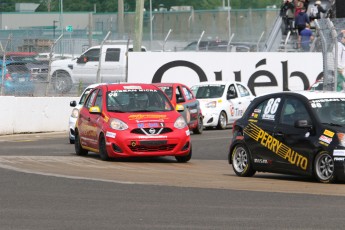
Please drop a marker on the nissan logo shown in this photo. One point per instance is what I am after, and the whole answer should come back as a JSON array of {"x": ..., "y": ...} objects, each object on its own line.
[{"x": 152, "y": 131}]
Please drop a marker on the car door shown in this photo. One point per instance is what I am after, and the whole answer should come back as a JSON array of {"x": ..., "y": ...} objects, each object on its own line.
[
  {"x": 114, "y": 66},
  {"x": 190, "y": 104},
  {"x": 86, "y": 66},
  {"x": 96, "y": 120},
  {"x": 84, "y": 121},
  {"x": 259, "y": 133},
  {"x": 297, "y": 146},
  {"x": 234, "y": 102}
]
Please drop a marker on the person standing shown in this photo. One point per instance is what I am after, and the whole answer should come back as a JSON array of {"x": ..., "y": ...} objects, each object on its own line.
[
  {"x": 306, "y": 38},
  {"x": 316, "y": 10},
  {"x": 287, "y": 14},
  {"x": 341, "y": 61},
  {"x": 301, "y": 20}
]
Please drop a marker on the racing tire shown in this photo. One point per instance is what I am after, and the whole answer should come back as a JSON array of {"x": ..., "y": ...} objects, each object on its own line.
[
  {"x": 103, "y": 149},
  {"x": 184, "y": 159},
  {"x": 324, "y": 168},
  {"x": 62, "y": 82},
  {"x": 222, "y": 121},
  {"x": 241, "y": 161},
  {"x": 79, "y": 150},
  {"x": 200, "y": 126}
]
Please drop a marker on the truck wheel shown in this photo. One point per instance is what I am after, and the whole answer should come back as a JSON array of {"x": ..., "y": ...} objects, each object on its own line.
[{"x": 62, "y": 82}]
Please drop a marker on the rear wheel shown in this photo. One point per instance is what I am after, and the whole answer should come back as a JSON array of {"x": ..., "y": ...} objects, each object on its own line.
[
  {"x": 103, "y": 149},
  {"x": 200, "y": 126},
  {"x": 184, "y": 159},
  {"x": 324, "y": 167},
  {"x": 222, "y": 121},
  {"x": 241, "y": 162},
  {"x": 77, "y": 145}
]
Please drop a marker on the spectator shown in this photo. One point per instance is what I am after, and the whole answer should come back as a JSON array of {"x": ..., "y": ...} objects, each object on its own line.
[
  {"x": 287, "y": 14},
  {"x": 316, "y": 10},
  {"x": 341, "y": 61},
  {"x": 299, "y": 4},
  {"x": 306, "y": 5},
  {"x": 306, "y": 38},
  {"x": 301, "y": 20}
]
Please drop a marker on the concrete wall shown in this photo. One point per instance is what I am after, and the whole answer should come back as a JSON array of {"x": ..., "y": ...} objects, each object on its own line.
[{"x": 39, "y": 114}]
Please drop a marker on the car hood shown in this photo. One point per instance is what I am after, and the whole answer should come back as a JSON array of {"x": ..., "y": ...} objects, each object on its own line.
[
  {"x": 63, "y": 62},
  {"x": 147, "y": 117}
]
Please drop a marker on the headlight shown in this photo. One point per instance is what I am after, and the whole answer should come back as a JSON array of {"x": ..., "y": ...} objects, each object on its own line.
[
  {"x": 212, "y": 104},
  {"x": 180, "y": 123},
  {"x": 341, "y": 137},
  {"x": 118, "y": 124},
  {"x": 75, "y": 113}
]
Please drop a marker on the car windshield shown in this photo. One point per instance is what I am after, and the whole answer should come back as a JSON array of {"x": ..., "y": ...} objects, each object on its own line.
[
  {"x": 137, "y": 101},
  {"x": 330, "y": 110},
  {"x": 168, "y": 90},
  {"x": 208, "y": 91}
]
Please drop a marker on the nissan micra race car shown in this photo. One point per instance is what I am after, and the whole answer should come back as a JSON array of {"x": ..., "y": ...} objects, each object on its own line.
[
  {"x": 292, "y": 133},
  {"x": 222, "y": 102},
  {"x": 131, "y": 120}
]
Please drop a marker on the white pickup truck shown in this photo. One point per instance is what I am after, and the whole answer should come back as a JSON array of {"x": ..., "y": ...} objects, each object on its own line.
[{"x": 109, "y": 59}]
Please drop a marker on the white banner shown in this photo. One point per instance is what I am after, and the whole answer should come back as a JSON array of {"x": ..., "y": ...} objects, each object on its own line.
[{"x": 262, "y": 72}]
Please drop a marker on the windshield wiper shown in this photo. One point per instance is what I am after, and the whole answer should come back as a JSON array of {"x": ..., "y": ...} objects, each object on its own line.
[{"x": 331, "y": 124}]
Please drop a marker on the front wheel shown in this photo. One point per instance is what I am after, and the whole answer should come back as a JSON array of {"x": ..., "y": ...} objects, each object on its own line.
[
  {"x": 222, "y": 121},
  {"x": 241, "y": 162},
  {"x": 200, "y": 126},
  {"x": 324, "y": 168},
  {"x": 184, "y": 159},
  {"x": 103, "y": 149},
  {"x": 62, "y": 82}
]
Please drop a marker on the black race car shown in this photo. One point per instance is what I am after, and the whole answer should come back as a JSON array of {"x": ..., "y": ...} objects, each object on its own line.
[{"x": 292, "y": 133}]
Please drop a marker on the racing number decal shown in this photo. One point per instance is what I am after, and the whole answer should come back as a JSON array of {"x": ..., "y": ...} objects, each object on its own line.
[{"x": 271, "y": 109}]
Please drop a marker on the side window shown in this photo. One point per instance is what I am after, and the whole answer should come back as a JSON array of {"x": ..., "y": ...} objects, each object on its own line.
[
  {"x": 232, "y": 91},
  {"x": 98, "y": 101},
  {"x": 90, "y": 99},
  {"x": 266, "y": 110},
  {"x": 92, "y": 55},
  {"x": 242, "y": 90},
  {"x": 112, "y": 54},
  {"x": 292, "y": 111},
  {"x": 179, "y": 96},
  {"x": 187, "y": 93}
]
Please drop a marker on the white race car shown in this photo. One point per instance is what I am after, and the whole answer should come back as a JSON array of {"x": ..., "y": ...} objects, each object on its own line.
[
  {"x": 222, "y": 102},
  {"x": 75, "y": 110}
]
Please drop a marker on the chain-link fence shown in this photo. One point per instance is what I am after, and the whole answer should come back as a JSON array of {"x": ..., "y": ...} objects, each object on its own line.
[{"x": 329, "y": 41}]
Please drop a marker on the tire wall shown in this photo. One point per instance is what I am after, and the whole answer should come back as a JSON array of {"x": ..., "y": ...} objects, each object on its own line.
[{"x": 31, "y": 115}]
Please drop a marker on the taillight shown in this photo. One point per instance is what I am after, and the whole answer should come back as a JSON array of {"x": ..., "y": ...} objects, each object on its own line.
[{"x": 8, "y": 77}]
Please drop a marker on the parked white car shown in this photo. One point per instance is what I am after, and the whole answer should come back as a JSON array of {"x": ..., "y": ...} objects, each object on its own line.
[
  {"x": 222, "y": 102},
  {"x": 75, "y": 111}
]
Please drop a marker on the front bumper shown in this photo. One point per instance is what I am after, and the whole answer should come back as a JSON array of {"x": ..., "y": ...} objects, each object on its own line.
[
  {"x": 211, "y": 117},
  {"x": 126, "y": 144}
]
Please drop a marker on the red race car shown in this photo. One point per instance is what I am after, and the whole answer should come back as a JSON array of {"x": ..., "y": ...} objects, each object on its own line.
[
  {"x": 180, "y": 94},
  {"x": 131, "y": 120}
]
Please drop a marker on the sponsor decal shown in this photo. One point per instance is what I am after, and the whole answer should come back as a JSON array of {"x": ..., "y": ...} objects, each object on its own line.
[
  {"x": 339, "y": 152},
  {"x": 339, "y": 158},
  {"x": 132, "y": 87},
  {"x": 111, "y": 134},
  {"x": 147, "y": 116},
  {"x": 150, "y": 125},
  {"x": 261, "y": 161},
  {"x": 328, "y": 133},
  {"x": 187, "y": 132},
  {"x": 257, "y": 110},
  {"x": 325, "y": 139},
  {"x": 277, "y": 147}
]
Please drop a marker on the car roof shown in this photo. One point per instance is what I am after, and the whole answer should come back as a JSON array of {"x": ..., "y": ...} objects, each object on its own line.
[
  {"x": 128, "y": 86},
  {"x": 310, "y": 95},
  {"x": 216, "y": 83},
  {"x": 168, "y": 84}
]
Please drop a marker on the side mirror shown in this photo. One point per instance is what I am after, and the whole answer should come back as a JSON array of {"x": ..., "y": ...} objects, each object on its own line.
[
  {"x": 230, "y": 95},
  {"x": 82, "y": 59},
  {"x": 73, "y": 103},
  {"x": 179, "y": 108},
  {"x": 95, "y": 110},
  {"x": 302, "y": 124}
]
